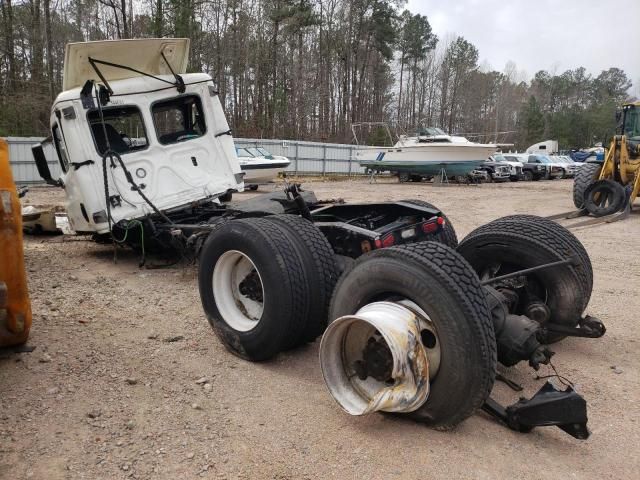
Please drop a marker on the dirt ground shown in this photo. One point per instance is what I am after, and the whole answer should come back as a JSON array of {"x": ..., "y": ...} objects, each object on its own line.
[{"x": 129, "y": 381}]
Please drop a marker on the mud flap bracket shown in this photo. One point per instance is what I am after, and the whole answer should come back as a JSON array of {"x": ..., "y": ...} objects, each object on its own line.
[
  {"x": 565, "y": 409},
  {"x": 588, "y": 327}
]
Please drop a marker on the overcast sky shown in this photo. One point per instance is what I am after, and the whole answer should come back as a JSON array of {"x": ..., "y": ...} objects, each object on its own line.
[{"x": 544, "y": 34}]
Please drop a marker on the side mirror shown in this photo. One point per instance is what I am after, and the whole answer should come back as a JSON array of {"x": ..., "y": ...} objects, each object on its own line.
[{"x": 43, "y": 166}]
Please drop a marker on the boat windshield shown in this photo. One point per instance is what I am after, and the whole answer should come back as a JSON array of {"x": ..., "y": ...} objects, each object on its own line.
[
  {"x": 259, "y": 152},
  {"x": 430, "y": 132},
  {"x": 243, "y": 153}
]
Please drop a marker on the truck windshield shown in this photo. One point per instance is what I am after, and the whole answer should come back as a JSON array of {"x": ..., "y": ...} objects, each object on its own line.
[
  {"x": 178, "y": 119},
  {"x": 124, "y": 128}
]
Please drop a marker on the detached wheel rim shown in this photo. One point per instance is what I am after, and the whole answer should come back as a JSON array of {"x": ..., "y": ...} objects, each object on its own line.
[
  {"x": 382, "y": 358},
  {"x": 238, "y": 291}
]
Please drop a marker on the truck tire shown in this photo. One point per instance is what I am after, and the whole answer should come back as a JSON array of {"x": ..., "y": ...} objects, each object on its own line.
[
  {"x": 551, "y": 233},
  {"x": 320, "y": 269},
  {"x": 584, "y": 177},
  {"x": 527, "y": 176},
  {"x": 446, "y": 288},
  {"x": 562, "y": 289},
  {"x": 403, "y": 177},
  {"x": 604, "y": 197},
  {"x": 254, "y": 288},
  {"x": 448, "y": 234}
]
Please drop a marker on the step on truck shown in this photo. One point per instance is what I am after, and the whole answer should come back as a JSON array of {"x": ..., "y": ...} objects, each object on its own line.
[{"x": 412, "y": 321}]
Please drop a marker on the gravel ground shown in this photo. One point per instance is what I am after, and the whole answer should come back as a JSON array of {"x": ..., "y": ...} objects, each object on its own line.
[{"x": 129, "y": 381}]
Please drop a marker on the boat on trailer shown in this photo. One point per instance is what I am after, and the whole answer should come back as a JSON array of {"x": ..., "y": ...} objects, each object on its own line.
[{"x": 427, "y": 154}]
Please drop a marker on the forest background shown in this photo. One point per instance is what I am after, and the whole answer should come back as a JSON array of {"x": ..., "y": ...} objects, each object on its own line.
[{"x": 309, "y": 69}]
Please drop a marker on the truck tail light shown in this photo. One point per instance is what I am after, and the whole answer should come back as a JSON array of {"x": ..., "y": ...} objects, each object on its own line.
[
  {"x": 433, "y": 225},
  {"x": 386, "y": 241}
]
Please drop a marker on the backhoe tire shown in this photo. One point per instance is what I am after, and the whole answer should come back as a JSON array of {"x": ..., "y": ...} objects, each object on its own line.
[
  {"x": 563, "y": 289},
  {"x": 604, "y": 197},
  {"x": 319, "y": 262},
  {"x": 447, "y": 289},
  {"x": 585, "y": 176},
  {"x": 448, "y": 235},
  {"x": 555, "y": 235},
  {"x": 254, "y": 288}
]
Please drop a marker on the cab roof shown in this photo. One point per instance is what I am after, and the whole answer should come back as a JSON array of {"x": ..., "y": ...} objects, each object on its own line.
[{"x": 144, "y": 55}]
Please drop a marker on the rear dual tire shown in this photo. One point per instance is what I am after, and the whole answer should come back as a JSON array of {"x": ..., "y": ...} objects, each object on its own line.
[
  {"x": 444, "y": 286},
  {"x": 524, "y": 241},
  {"x": 265, "y": 284}
]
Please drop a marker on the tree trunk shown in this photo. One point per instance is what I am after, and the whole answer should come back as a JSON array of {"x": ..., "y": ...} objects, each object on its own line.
[{"x": 49, "y": 45}]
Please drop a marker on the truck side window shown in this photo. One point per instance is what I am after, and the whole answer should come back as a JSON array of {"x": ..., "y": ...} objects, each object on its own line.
[
  {"x": 178, "y": 119},
  {"x": 61, "y": 148},
  {"x": 124, "y": 130}
]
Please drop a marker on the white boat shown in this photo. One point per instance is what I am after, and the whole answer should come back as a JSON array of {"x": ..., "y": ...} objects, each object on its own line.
[
  {"x": 259, "y": 165},
  {"x": 427, "y": 153}
]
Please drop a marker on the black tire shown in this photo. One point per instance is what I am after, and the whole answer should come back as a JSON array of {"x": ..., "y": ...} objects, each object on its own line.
[
  {"x": 584, "y": 177},
  {"x": 284, "y": 282},
  {"x": 555, "y": 235},
  {"x": 563, "y": 289},
  {"x": 415, "y": 178},
  {"x": 343, "y": 263},
  {"x": 253, "y": 188},
  {"x": 448, "y": 234},
  {"x": 444, "y": 285},
  {"x": 320, "y": 269},
  {"x": 528, "y": 176},
  {"x": 227, "y": 197},
  {"x": 604, "y": 197},
  {"x": 403, "y": 177}
]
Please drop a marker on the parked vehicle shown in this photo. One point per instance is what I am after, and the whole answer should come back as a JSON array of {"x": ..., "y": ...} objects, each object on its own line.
[
  {"x": 536, "y": 166},
  {"x": 407, "y": 324},
  {"x": 497, "y": 169},
  {"x": 569, "y": 167},
  {"x": 548, "y": 147},
  {"x": 515, "y": 167}
]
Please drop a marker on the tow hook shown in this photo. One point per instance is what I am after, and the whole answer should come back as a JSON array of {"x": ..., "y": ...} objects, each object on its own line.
[{"x": 566, "y": 409}]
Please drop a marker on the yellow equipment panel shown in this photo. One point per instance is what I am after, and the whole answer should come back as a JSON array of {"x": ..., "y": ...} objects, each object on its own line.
[{"x": 15, "y": 307}]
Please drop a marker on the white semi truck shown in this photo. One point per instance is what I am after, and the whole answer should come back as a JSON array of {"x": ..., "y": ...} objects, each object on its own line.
[{"x": 412, "y": 320}]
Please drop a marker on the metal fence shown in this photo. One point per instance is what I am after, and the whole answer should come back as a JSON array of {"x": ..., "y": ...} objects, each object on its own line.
[
  {"x": 22, "y": 163},
  {"x": 307, "y": 158}
]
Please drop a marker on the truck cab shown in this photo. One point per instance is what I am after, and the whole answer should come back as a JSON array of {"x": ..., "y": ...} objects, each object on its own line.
[{"x": 132, "y": 131}]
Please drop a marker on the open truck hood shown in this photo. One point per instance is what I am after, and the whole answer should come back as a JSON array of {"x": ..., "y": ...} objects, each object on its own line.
[{"x": 141, "y": 54}]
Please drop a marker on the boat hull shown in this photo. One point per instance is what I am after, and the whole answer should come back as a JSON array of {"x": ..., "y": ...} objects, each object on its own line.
[
  {"x": 427, "y": 169},
  {"x": 262, "y": 171},
  {"x": 427, "y": 160}
]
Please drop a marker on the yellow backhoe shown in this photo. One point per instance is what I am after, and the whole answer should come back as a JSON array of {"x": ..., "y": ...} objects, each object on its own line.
[{"x": 609, "y": 188}]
